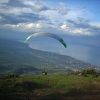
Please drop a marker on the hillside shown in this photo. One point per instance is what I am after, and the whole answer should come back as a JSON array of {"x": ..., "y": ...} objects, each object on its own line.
[
  {"x": 16, "y": 57},
  {"x": 50, "y": 87}
]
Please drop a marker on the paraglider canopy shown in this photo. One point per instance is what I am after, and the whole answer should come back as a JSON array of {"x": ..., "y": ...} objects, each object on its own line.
[{"x": 46, "y": 34}]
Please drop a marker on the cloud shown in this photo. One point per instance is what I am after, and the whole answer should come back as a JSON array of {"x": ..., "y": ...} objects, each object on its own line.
[
  {"x": 18, "y": 11},
  {"x": 3, "y": 1},
  {"x": 16, "y": 3},
  {"x": 26, "y": 16},
  {"x": 22, "y": 18},
  {"x": 28, "y": 26},
  {"x": 38, "y": 7},
  {"x": 14, "y": 10},
  {"x": 22, "y": 27},
  {"x": 11, "y": 19},
  {"x": 62, "y": 9},
  {"x": 31, "y": 17},
  {"x": 79, "y": 27}
]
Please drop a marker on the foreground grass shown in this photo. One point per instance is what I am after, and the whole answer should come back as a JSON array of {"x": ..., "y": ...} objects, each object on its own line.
[{"x": 50, "y": 87}]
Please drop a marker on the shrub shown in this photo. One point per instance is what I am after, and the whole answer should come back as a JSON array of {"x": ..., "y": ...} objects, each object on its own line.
[{"x": 91, "y": 71}]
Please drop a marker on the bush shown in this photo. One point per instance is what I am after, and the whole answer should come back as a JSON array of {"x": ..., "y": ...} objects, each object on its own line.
[
  {"x": 9, "y": 76},
  {"x": 91, "y": 71},
  {"x": 95, "y": 76}
]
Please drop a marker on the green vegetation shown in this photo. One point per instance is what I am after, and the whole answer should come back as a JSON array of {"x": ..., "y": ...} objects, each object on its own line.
[
  {"x": 49, "y": 87},
  {"x": 17, "y": 58},
  {"x": 18, "y": 63}
]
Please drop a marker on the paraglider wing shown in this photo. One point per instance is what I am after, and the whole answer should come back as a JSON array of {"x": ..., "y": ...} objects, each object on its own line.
[
  {"x": 62, "y": 41},
  {"x": 46, "y": 34},
  {"x": 28, "y": 38}
]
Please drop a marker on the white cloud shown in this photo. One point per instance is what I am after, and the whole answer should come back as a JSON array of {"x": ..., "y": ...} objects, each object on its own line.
[
  {"x": 1, "y": 18},
  {"x": 38, "y": 25},
  {"x": 62, "y": 9},
  {"x": 30, "y": 3},
  {"x": 71, "y": 29},
  {"x": 30, "y": 25},
  {"x": 23, "y": 27},
  {"x": 14, "y": 10},
  {"x": 4, "y": 1},
  {"x": 65, "y": 27},
  {"x": 81, "y": 31},
  {"x": 39, "y": 6},
  {"x": 61, "y": 3},
  {"x": 49, "y": 18}
]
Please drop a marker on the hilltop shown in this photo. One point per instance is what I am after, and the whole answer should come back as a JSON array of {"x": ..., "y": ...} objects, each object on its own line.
[
  {"x": 21, "y": 79},
  {"x": 16, "y": 57},
  {"x": 50, "y": 87}
]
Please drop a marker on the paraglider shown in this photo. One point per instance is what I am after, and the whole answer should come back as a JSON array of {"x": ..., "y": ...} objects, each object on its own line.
[{"x": 46, "y": 34}]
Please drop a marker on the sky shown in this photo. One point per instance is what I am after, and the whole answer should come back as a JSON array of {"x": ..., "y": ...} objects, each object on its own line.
[{"x": 76, "y": 21}]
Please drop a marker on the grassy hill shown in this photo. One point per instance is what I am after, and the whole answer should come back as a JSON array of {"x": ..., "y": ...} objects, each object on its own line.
[
  {"x": 21, "y": 75},
  {"x": 50, "y": 87},
  {"x": 16, "y": 57}
]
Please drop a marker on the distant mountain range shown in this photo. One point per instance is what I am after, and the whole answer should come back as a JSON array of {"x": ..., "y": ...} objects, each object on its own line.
[{"x": 17, "y": 57}]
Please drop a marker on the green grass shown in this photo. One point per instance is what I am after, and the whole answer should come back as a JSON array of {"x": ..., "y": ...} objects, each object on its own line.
[{"x": 50, "y": 87}]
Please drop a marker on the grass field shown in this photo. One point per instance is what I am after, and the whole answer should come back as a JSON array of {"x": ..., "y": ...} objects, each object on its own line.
[{"x": 50, "y": 87}]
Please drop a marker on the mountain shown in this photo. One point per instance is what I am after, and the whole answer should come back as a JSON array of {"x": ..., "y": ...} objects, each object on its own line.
[{"x": 17, "y": 57}]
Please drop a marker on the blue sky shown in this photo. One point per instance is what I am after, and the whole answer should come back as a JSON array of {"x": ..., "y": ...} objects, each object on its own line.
[{"x": 77, "y": 21}]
